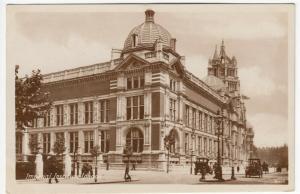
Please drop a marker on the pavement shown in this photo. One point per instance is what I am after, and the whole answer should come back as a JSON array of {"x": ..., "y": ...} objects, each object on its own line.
[{"x": 155, "y": 177}]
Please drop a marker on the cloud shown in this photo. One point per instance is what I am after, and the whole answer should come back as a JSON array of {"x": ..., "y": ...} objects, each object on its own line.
[
  {"x": 255, "y": 82},
  {"x": 269, "y": 129}
]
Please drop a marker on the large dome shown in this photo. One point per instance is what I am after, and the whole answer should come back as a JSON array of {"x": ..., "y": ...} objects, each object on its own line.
[{"x": 147, "y": 33}]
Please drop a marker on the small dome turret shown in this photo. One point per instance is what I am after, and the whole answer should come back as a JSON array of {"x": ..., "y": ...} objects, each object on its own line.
[{"x": 147, "y": 33}]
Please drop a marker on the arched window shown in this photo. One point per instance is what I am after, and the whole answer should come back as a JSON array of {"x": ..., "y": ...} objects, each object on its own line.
[
  {"x": 135, "y": 139},
  {"x": 174, "y": 146}
]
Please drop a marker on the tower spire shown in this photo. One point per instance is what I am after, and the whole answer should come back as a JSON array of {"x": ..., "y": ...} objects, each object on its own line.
[
  {"x": 222, "y": 49},
  {"x": 216, "y": 53}
]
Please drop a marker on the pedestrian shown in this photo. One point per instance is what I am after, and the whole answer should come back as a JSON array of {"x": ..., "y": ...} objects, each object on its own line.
[
  {"x": 127, "y": 177},
  {"x": 107, "y": 165}
]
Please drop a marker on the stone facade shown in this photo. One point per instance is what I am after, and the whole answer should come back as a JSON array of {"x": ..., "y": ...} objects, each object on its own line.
[{"x": 138, "y": 99}]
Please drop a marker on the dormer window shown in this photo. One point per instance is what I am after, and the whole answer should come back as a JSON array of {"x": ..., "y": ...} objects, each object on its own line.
[
  {"x": 172, "y": 85},
  {"x": 134, "y": 40}
]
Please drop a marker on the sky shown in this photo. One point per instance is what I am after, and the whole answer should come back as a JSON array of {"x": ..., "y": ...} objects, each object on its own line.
[{"x": 58, "y": 37}]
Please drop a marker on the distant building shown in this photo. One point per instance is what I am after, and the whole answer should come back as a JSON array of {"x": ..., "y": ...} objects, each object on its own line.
[{"x": 140, "y": 97}]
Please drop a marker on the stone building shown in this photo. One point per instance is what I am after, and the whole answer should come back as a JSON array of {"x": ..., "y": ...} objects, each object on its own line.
[{"x": 138, "y": 98}]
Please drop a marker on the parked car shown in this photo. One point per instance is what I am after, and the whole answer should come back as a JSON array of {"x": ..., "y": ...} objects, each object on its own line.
[
  {"x": 201, "y": 165},
  {"x": 254, "y": 168}
]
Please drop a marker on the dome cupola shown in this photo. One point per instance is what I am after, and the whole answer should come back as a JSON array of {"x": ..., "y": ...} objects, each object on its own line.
[{"x": 147, "y": 33}]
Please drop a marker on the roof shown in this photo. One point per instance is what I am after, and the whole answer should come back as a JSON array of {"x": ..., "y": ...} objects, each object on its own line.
[
  {"x": 214, "y": 82},
  {"x": 148, "y": 33}
]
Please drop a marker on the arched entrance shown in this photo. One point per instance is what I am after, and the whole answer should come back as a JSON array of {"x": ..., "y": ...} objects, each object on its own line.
[
  {"x": 135, "y": 139},
  {"x": 175, "y": 147}
]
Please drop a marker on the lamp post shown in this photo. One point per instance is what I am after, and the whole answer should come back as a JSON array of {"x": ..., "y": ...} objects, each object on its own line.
[
  {"x": 218, "y": 170},
  {"x": 96, "y": 152},
  {"x": 169, "y": 140},
  {"x": 75, "y": 162},
  {"x": 192, "y": 150}
]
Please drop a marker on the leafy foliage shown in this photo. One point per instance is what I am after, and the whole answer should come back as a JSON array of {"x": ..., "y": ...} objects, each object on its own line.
[
  {"x": 96, "y": 151},
  {"x": 169, "y": 140},
  {"x": 53, "y": 165},
  {"x": 30, "y": 101},
  {"x": 273, "y": 156},
  {"x": 59, "y": 146},
  {"x": 33, "y": 144},
  {"x": 24, "y": 168}
]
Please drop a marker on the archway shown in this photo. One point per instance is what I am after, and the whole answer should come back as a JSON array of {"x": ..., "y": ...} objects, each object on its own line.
[
  {"x": 135, "y": 139},
  {"x": 175, "y": 147}
]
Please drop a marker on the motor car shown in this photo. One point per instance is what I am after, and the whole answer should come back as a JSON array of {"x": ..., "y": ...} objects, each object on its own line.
[
  {"x": 254, "y": 168},
  {"x": 201, "y": 164}
]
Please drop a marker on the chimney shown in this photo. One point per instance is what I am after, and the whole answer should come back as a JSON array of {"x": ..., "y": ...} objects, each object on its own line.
[
  {"x": 173, "y": 44},
  {"x": 149, "y": 15}
]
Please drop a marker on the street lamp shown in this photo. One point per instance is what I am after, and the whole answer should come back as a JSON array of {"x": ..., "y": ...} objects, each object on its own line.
[
  {"x": 219, "y": 132},
  {"x": 96, "y": 152},
  {"x": 192, "y": 150},
  {"x": 75, "y": 160}
]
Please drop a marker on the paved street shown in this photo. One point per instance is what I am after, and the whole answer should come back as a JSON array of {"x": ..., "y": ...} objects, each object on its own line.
[{"x": 150, "y": 177}]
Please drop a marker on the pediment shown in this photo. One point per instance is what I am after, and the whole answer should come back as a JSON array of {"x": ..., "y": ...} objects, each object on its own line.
[{"x": 131, "y": 62}]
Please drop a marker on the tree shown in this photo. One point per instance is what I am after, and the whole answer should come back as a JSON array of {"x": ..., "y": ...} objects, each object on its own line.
[
  {"x": 31, "y": 102},
  {"x": 59, "y": 146},
  {"x": 95, "y": 153}
]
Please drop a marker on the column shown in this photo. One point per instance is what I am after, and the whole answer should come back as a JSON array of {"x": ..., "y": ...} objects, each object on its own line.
[
  {"x": 68, "y": 164},
  {"x": 53, "y": 116},
  {"x": 96, "y": 111},
  {"x": 66, "y": 113},
  {"x": 40, "y": 142},
  {"x": 52, "y": 141},
  {"x": 80, "y": 142},
  {"x": 39, "y": 165},
  {"x": 80, "y": 112},
  {"x": 25, "y": 144},
  {"x": 67, "y": 140}
]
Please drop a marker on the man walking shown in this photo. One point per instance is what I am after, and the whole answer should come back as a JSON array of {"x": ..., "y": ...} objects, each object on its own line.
[{"x": 127, "y": 177}]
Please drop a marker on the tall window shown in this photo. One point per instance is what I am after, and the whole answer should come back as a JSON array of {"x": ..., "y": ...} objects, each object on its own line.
[
  {"x": 210, "y": 146},
  {"x": 33, "y": 138},
  {"x": 205, "y": 122},
  {"x": 199, "y": 145},
  {"x": 135, "y": 139},
  {"x": 186, "y": 143},
  {"x": 88, "y": 141},
  {"x": 205, "y": 146},
  {"x": 47, "y": 119},
  {"x": 73, "y": 141},
  {"x": 35, "y": 123},
  {"x": 74, "y": 114},
  {"x": 135, "y": 82},
  {"x": 172, "y": 109},
  {"x": 105, "y": 141},
  {"x": 46, "y": 143},
  {"x": 104, "y": 111},
  {"x": 135, "y": 107},
  {"x": 194, "y": 118},
  {"x": 19, "y": 143},
  {"x": 200, "y": 120},
  {"x": 187, "y": 115},
  {"x": 172, "y": 85},
  {"x": 59, "y": 115},
  {"x": 88, "y": 109}
]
